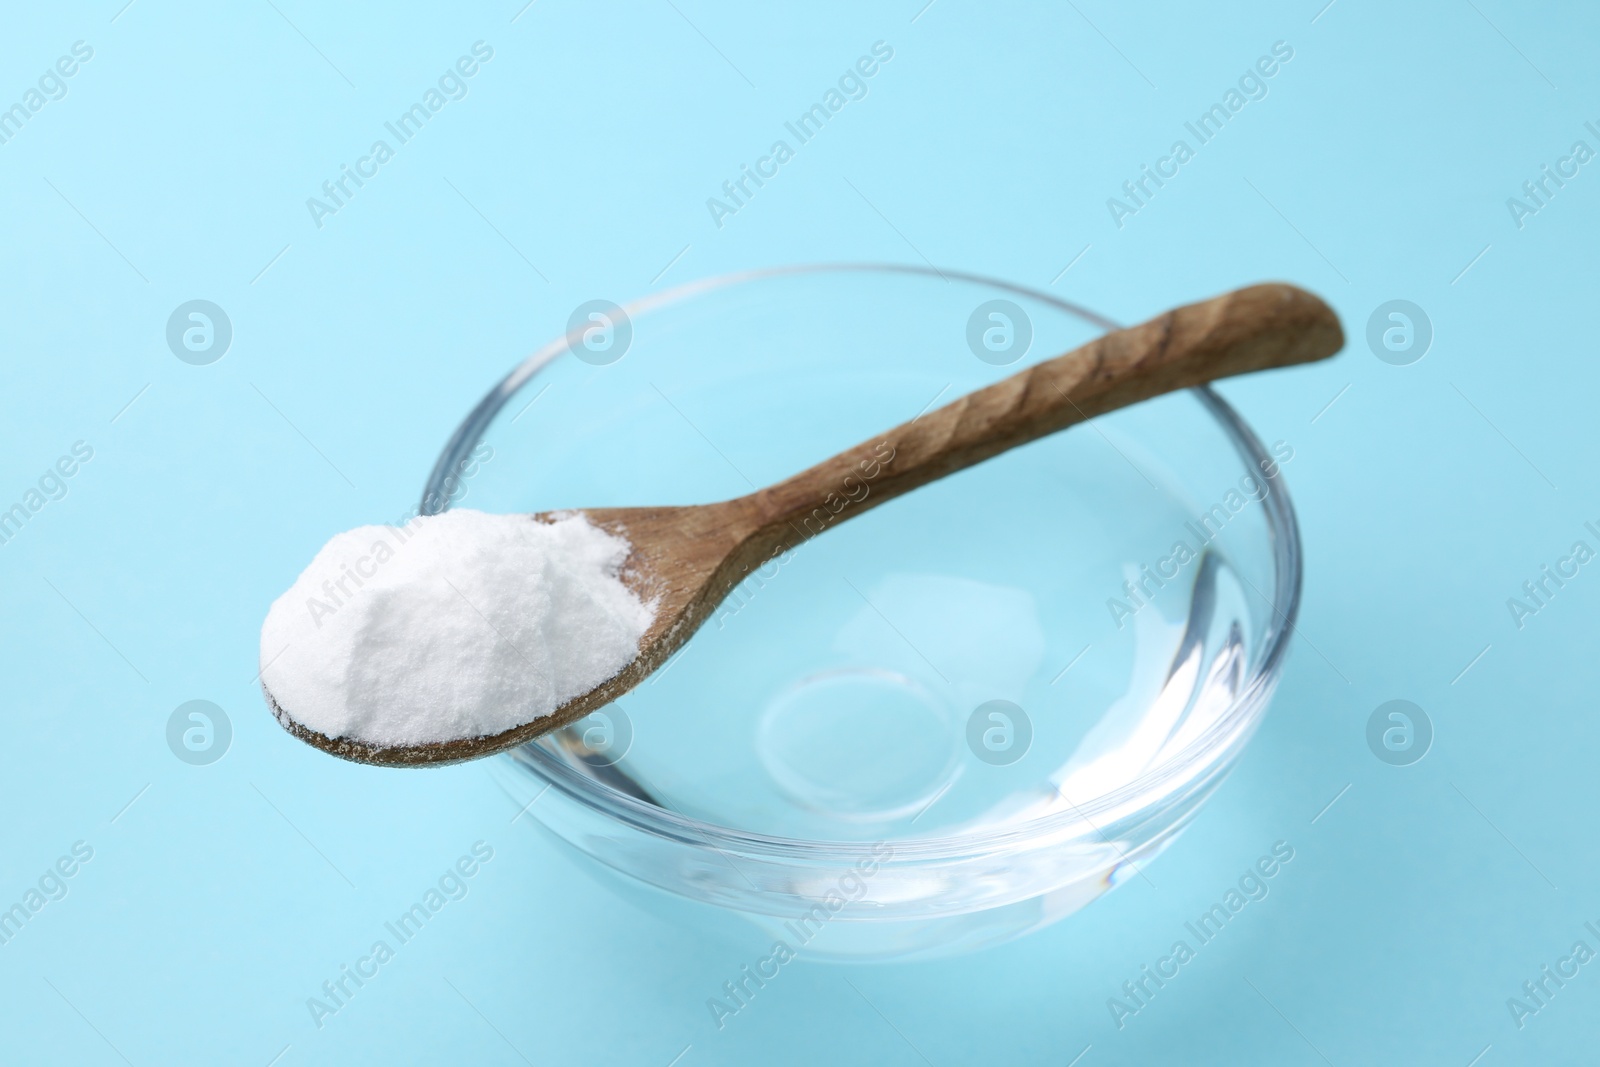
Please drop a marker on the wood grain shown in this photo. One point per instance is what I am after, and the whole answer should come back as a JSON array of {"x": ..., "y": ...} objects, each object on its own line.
[{"x": 688, "y": 559}]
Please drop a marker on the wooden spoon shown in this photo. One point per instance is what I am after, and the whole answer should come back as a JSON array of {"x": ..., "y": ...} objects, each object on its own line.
[{"x": 690, "y": 558}]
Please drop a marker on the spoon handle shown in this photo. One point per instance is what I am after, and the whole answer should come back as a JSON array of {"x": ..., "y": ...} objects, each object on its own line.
[{"x": 1250, "y": 329}]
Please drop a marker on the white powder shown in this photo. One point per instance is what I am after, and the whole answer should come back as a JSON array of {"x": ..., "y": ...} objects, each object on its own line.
[{"x": 453, "y": 626}]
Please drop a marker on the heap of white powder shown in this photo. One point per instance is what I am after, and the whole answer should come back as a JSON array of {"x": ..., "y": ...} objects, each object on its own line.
[{"x": 452, "y": 626}]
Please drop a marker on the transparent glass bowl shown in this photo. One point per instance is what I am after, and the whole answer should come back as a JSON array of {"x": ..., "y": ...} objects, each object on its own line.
[{"x": 959, "y": 716}]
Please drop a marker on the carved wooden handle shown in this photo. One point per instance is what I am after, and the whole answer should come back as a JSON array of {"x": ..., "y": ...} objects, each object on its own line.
[{"x": 1250, "y": 329}]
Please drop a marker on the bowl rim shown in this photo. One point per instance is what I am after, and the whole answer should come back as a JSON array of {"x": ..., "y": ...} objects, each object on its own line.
[{"x": 1208, "y": 753}]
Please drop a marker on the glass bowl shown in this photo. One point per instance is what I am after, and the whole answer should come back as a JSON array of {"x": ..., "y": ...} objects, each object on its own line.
[{"x": 954, "y": 719}]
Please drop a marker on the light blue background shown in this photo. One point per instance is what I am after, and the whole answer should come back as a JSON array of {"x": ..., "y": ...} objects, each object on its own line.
[{"x": 177, "y": 167}]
